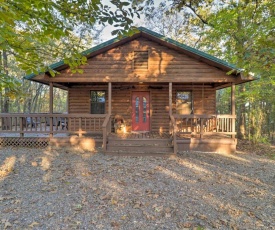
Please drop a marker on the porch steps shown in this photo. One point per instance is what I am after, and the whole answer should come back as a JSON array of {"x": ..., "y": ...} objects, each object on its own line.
[{"x": 140, "y": 147}]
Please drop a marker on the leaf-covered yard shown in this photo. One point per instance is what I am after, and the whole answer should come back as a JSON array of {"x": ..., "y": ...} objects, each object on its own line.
[{"x": 72, "y": 189}]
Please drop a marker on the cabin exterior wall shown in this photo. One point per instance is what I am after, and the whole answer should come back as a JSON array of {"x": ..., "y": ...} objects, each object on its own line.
[{"x": 204, "y": 101}]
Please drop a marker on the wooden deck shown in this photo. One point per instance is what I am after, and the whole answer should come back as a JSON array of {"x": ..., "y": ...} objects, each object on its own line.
[{"x": 213, "y": 133}]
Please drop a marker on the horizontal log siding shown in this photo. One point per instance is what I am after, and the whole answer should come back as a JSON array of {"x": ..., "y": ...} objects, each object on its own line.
[
  {"x": 203, "y": 99},
  {"x": 160, "y": 109},
  {"x": 164, "y": 65},
  {"x": 79, "y": 100}
]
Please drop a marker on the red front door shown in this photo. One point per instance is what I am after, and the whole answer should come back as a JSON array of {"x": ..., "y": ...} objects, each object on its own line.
[{"x": 140, "y": 111}]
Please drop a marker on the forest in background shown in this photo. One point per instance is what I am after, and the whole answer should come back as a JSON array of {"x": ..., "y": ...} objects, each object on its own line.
[{"x": 240, "y": 32}]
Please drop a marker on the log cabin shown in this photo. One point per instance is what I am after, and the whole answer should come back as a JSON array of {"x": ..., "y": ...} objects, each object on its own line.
[{"x": 163, "y": 92}]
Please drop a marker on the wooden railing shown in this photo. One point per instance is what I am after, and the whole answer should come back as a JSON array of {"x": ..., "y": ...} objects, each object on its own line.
[
  {"x": 106, "y": 127},
  {"x": 51, "y": 123},
  {"x": 200, "y": 124}
]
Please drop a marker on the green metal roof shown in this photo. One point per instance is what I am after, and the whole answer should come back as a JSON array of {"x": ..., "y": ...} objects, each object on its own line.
[{"x": 149, "y": 32}]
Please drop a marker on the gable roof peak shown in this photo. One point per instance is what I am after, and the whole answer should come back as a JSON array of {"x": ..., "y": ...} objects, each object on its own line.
[{"x": 154, "y": 36}]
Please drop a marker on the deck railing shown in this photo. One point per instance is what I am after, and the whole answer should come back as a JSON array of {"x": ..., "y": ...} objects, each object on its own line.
[
  {"x": 43, "y": 123},
  {"x": 200, "y": 124}
]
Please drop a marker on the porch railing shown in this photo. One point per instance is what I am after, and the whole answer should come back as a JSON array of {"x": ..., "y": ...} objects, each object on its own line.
[
  {"x": 43, "y": 123},
  {"x": 194, "y": 125},
  {"x": 203, "y": 123}
]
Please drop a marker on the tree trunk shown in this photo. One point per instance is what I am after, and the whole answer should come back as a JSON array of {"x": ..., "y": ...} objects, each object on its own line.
[
  {"x": 6, "y": 102},
  {"x": 241, "y": 114},
  {"x": 36, "y": 98},
  {"x": 6, "y": 99},
  {"x": 1, "y": 93}
]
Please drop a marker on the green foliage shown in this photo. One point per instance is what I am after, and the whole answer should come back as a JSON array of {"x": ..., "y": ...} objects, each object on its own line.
[
  {"x": 12, "y": 85},
  {"x": 7, "y": 81},
  {"x": 244, "y": 30},
  {"x": 32, "y": 29}
]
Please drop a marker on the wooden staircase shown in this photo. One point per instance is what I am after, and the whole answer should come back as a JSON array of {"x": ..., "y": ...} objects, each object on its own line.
[{"x": 139, "y": 145}]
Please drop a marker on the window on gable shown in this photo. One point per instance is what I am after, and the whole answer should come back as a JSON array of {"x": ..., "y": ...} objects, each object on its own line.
[
  {"x": 97, "y": 102},
  {"x": 184, "y": 103},
  {"x": 140, "y": 60}
]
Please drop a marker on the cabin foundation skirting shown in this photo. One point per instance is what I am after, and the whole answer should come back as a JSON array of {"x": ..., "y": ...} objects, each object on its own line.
[
  {"x": 29, "y": 142},
  {"x": 208, "y": 145},
  {"x": 84, "y": 143}
]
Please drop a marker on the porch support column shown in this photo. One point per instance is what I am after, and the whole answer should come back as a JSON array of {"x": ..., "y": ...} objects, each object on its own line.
[
  {"x": 170, "y": 98},
  {"x": 51, "y": 109},
  {"x": 110, "y": 98},
  {"x": 233, "y": 107}
]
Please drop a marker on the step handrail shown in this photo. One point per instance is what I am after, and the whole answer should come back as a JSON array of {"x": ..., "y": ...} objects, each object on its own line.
[
  {"x": 106, "y": 129},
  {"x": 174, "y": 133}
]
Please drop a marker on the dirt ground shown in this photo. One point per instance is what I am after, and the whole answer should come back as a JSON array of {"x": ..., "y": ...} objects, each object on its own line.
[{"x": 74, "y": 189}]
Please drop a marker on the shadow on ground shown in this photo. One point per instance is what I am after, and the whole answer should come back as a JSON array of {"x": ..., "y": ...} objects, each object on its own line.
[{"x": 67, "y": 189}]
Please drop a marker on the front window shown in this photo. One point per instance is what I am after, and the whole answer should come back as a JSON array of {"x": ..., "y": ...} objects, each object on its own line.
[
  {"x": 97, "y": 102},
  {"x": 184, "y": 102}
]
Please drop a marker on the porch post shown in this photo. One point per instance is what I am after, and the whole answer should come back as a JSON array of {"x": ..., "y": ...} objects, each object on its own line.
[
  {"x": 110, "y": 98},
  {"x": 233, "y": 108},
  {"x": 170, "y": 98},
  {"x": 109, "y": 106},
  {"x": 51, "y": 109}
]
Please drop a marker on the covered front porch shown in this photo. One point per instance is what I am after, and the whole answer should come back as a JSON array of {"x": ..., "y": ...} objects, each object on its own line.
[{"x": 186, "y": 132}]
